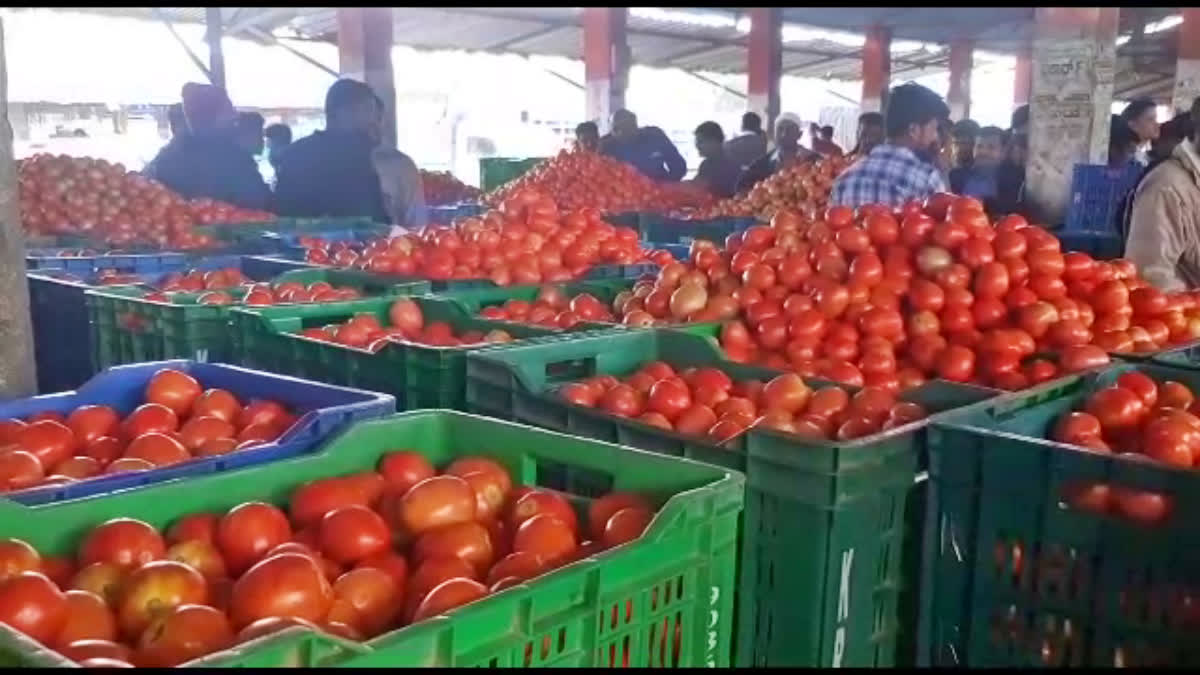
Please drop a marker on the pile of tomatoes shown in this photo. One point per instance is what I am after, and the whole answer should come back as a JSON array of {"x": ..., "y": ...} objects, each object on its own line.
[
  {"x": 551, "y": 308},
  {"x": 1140, "y": 419},
  {"x": 214, "y": 286},
  {"x": 179, "y": 421},
  {"x": 580, "y": 179},
  {"x": 406, "y": 323},
  {"x": 355, "y": 555},
  {"x": 803, "y": 188},
  {"x": 706, "y": 402},
  {"x": 441, "y": 187},
  {"x": 933, "y": 289},
  {"x": 92, "y": 197},
  {"x": 526, "y": 241}
]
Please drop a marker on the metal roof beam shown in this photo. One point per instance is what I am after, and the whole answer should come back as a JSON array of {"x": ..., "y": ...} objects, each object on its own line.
[
  {"x": 191, "y": 54},
  {"x": 259, "y": 32},
  {"x": 257, "y": 19},
  {"x": 687, "y": 53},
  {"x": 509, "y": 42}
]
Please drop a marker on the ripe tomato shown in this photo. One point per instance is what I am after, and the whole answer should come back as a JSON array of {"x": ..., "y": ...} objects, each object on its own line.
[
  {"x": 90, "y": 422},
  {"x": 436, "y": 502},
  {"x": 149, "y": 418},
  {"x": 287, "y": 585},
  {"x": 547, "y": 536},
  {"x": 123, "y": 542},
  {"x": 51, "y": 442},
  {"x": 185, "y": 633},
  {"x": 352, "y": 533},
  {"x": 158, "y": 449},
  {"x": 447, "y": 596},
  {"x": 156, "y": 587},
  {"x": 1118, "y": 409},
  {"x": 33, "y": 605},
  {"x": 217, "y": 403},
  {"x": 625, "y": 525},
  {"x": 248, "y": 531},
  {"x": 174, "y": 389}
]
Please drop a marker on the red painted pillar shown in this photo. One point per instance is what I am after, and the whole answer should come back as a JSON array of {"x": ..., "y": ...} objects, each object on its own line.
[
  {"x": 365, "y": 54},
  {"x": 1187, "y": 67},
  {"x": 606, "y": 62},
  {"x": 877, "y": 68},
  {"x": 765, "y": 67},
  {"x": 1022, "y": 77},
  {"x": 1074, "y": 56},
  {"x": 959, "y": 95}
]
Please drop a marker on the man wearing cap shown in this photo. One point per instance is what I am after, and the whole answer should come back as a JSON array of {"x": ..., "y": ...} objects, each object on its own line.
[
  {"x": 207, "y": 161},
  {"x": 331, "y": 172},
  {"x": 787, "y": 151}
]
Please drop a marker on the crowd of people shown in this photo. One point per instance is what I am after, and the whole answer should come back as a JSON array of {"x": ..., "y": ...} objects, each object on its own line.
[
  {"x": 910, "y": 152},
  {"x": 343, "y": 170},
  {"x": 728, "y": 165}
]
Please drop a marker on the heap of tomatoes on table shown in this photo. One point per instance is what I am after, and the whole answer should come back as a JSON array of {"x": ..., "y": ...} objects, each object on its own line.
[
  {"x": 1138, "y": 418},
  {"x": 892, "y": 299},
  {"x": 406, "y": 323},
  {"x": 801, "y": 187},
  {"x": 93, "y": 197},
  {"x": 528, "y": 240},
  {"x": 354, "y": 555},
  {"x": 178, "y": 421},
  {"x": 582, "y": 179},
  {"x": 705, "y": 402}
]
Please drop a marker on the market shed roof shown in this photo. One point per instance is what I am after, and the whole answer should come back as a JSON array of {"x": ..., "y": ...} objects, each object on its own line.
[{"x": 818, "y": 41}]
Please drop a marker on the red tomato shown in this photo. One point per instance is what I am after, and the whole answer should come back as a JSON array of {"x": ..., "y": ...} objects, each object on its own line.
[
  {"x": 287, "y": 585},
  {"x": 248, "y": 531}
]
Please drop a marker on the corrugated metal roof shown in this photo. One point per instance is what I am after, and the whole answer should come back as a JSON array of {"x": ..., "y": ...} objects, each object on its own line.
[{"x": 712, "y": 40}]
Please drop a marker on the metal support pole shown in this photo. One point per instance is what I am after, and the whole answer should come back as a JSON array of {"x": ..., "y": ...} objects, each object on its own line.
[{"x": 216, "y": 58}]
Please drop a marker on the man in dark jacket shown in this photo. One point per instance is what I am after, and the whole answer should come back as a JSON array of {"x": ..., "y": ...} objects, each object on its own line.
[
  {"x": 331, "y": 173},
  {"x": 207, "y": 162},
  {"x": 647, "y": 148}
]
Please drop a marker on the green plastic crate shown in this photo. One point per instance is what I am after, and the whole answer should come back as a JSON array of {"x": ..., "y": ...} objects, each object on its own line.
[
  {"x": 474, "y": 300},
  {"x": 1090, "y": 589},
  {"x": 824, "y": 521},
  {"x": 363, "y": 282},
  {"x": 419, "y": 376},
  {"x": 681, "y": 571},
  {"x": 249, "y": 236},
  {"x": 494, "y": 172},
  {"x": 126, "y": 328}
]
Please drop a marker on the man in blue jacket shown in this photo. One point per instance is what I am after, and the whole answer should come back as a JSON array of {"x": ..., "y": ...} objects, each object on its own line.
[
  {"x": 207, "y": 161},
  {"x": 331, "y": 172},
  {"x": 647, "y": 148}
]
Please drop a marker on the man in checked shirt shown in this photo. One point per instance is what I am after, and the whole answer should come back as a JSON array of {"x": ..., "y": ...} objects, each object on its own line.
[{"x": 903, "y": 167}]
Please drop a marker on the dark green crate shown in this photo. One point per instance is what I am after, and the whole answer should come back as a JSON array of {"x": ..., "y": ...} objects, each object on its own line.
[
  {"x": 1092, "y": 589},
  {"x": 419, "y": 376},
  {"x": 808, "y": 503},
  {"x": 681, "y": 572},
  {"x": 474, "y": 300},
  {"x": 364, "y": 282},
  {"x": 126, "y": 328},
  {"x": 495, "y": 172}
]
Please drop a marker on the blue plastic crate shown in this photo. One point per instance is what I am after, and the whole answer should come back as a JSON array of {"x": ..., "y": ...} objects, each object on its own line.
[
  {"x": 1096, "y": 194},
  {"x": 322, "y": 410},
  {"x": 1099, "y": 245},
  {"x": 50, "y": 259}
]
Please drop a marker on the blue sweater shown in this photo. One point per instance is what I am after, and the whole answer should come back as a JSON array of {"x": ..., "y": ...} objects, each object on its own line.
[{"x": 650, "y": 152}]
